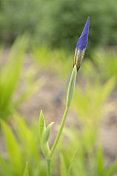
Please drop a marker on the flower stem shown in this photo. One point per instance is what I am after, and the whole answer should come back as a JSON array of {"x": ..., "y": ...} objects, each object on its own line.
[
  {"x": 70, "y": 93},
  {"x": 60, "y": 131}
]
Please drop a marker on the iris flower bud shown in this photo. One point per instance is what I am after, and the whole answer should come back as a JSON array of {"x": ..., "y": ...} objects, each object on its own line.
[{"x": 81, "y": 45}]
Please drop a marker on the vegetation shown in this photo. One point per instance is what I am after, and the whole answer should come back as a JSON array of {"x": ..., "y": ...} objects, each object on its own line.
[
  {"x": 103, "y": 66},
  {"x": 27, "y": 147},
  {"x": 25, "y": 152},
  {"x": 10, "y": 78},
  {"x": 59, "y": 23},
  {"x": 81, "y": 154},
  {"x": 53, "y": 59},
  {"x": 54, "y": 28},
  {"x": 29, "y": 150}
]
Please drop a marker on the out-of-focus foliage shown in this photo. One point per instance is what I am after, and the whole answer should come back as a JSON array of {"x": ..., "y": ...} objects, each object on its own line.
[
  {"x": 63, "y": 22},
  {"x": 81, "y": 154},
  {"x": 59, "y": 23},
  {"x": 28, "y": 147},
  {"x": 22, "y": 150},
  {"x": 89, "y": 103},
  {"x": 55, "y": 59},
  {"x": 18, "y": 17},
  {"x": 25, "y": 148},
  {"x": 10, "y": 77},
  {"x": 103, "y": 65},
  {"x": 90, "y": 106}
]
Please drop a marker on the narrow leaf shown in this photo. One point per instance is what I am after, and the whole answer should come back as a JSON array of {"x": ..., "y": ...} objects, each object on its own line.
[
  {"x": 26, "y": 171},
  {"x": 41, "y": 126},
  {"x": 47, "y": 132},
  {"x": 100, "y": 162},
  {"x": 112, "y": 169},
  {"x": 5, "y": 167},
  {"x": 63, "y": 167},
  {"x": 14, "y": 153}
]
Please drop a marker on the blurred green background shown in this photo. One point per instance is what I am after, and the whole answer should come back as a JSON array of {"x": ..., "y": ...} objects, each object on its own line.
[{"x": 59, "y": 23}]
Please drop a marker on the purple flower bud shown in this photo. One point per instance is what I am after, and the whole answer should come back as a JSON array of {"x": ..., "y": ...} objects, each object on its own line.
[
  {"x": 83, "y": 40},
  {"x": 81, "y": 45}
]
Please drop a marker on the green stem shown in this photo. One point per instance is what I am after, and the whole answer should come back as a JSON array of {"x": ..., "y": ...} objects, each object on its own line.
[
  {"x": 70, "y": 93},
  {"x": 49, "y": 167},
  {"x": 60, "y": 131}
]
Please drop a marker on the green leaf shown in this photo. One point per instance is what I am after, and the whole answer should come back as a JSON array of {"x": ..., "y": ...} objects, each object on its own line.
[
  {"x": 41, "y": 126},
  {"x": 112, "y": 169},
  {"x": 26, "y": 171},
  {"x": 47, "y": 132},
  {"x": 10, "y": 74},
  {"x": 27, "y": 138},
  {"x": 71, "y": 86},
  {"x": 14, "y": 152},
  {"x": 71, "y": 162},
  {"x": 100, "y": 162},
  {"x": 107, "y": 88},
  {"x": 63, "y": 167},
  {"x": 5, "y": 167}
]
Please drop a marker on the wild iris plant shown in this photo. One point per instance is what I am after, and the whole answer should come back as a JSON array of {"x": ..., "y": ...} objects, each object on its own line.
[{"x": 79, "y": 55}]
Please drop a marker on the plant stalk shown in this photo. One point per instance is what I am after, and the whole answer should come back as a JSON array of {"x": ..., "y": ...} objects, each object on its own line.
[
  {"x": 60, "y": 132},
  {"x": 70, "y": 93}
]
